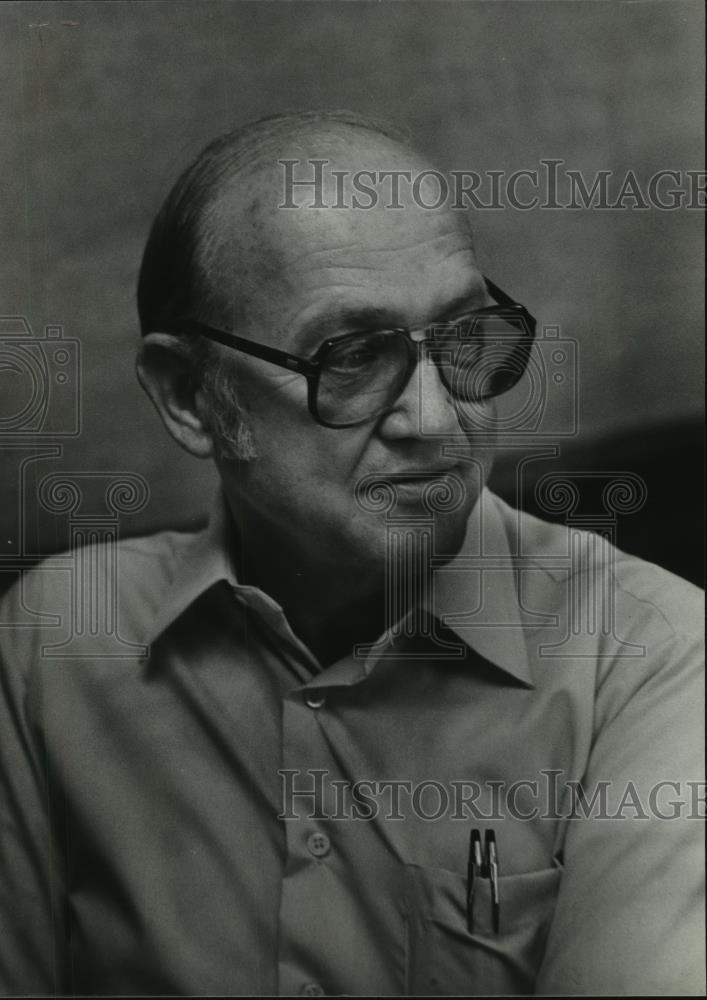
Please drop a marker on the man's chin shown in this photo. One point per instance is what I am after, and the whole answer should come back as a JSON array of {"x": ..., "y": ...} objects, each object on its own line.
[
  {"x": 449, "y": 534},
  {"x": 414, "y": 540}
]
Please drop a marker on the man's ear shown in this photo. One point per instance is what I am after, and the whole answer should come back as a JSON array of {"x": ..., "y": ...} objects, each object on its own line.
[{"x": 165, "y": 373}]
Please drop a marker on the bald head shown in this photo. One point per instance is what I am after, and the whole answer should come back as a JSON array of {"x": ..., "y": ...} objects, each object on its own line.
[
  {"x": 219, "y": 235},
  {"x": 174, "y": 271}
]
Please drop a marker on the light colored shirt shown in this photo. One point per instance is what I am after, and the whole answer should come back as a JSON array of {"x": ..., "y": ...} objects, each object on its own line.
[{"x": 216, "y": 813}]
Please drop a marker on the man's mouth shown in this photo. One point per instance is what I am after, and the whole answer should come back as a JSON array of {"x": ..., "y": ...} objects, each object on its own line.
[
  {"x": 432, "y": 488},
  {"x": 418, "y": 475}
]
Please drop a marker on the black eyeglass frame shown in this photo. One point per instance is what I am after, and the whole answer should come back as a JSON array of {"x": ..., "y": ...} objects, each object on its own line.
[{"x": 311, "y": 368}]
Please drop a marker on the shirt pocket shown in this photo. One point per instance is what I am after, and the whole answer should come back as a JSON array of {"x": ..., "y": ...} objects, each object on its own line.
[{"x": 444, "y": 958}]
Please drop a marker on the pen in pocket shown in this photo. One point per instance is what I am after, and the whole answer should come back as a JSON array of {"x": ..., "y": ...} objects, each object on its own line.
[{"x": 482, "y": 863}]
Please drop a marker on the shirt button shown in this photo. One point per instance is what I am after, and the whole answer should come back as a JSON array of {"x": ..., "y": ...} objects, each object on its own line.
[
  {"x": 311, "y": 990},
  {"x": 318, "y": 845},
  {"x": 314, "y": 700}
]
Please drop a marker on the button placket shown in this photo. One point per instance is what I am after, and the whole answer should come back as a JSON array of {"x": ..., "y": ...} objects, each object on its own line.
[{"x": 306, "y": 888}]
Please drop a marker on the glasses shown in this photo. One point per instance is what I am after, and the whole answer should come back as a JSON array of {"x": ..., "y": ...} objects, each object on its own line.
[{"x": 356, "y": 377}]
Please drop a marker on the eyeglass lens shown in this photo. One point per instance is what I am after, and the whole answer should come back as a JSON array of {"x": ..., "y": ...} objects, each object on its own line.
[{"x": 477, "y": 358}]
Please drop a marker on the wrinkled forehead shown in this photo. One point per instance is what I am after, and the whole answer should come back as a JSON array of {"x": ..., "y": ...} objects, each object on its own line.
[{"x": 305, "y": 229}]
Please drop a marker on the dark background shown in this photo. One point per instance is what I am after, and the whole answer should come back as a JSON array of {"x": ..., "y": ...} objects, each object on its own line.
[{"x": 103, "y": 104}]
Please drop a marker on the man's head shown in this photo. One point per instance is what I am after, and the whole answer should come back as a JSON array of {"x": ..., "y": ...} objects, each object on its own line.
[
  {"x": 224, "y": 252},
  {"x": 205, "y": 253}
]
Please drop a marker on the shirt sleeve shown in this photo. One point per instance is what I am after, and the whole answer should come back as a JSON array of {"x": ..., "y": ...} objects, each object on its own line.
[
  {"x": 31, "y": 890},
  {"x": 630, "y": 913}
]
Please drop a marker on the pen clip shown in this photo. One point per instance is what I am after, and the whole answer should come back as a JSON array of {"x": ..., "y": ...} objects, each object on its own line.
[
  {"x": 482, "y": 862},
  {"x": 492, "y": 865},
  {"x": 474, "y": 871}
]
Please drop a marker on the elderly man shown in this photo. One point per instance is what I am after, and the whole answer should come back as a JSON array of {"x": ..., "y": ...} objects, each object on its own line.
[{"x": 367, "y": 748}]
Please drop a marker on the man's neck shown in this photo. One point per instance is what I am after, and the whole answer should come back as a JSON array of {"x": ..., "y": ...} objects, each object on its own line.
[{"x": 330, "y": 607}]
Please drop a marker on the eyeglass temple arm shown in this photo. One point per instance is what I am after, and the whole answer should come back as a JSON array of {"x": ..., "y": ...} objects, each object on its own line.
[
  {"x": 505, "y": 300},
  {"x": 500, "y": 296},
  {"x": 301, "y": 365}
]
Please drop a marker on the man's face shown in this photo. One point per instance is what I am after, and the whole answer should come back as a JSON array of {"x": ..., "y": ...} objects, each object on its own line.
[{"x": 305, "y": 276}]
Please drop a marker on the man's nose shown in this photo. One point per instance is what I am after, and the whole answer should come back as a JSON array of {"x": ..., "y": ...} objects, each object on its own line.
[{"x": 425, "y": 407}]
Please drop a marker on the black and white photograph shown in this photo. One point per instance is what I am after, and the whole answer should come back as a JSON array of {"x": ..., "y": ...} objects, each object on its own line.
[{"x": 352, "y": 498}]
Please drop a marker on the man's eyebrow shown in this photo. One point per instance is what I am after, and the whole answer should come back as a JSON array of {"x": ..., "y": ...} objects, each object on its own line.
[
  {"x": 344, "y": 319},
  {"x": 340, "y": 319},
  {"x": 477, "y": 298}
]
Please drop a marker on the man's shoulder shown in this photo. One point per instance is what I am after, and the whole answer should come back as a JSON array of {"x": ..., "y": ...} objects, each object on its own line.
[
  {"x": 142, "y": 562},
  {"x": 127, "y": 578},
  {"x": 556, "y": 557}
]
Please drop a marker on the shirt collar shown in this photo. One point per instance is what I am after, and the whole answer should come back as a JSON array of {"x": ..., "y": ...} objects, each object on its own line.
[
  {"x": 474, "y": 594},
  {"x": 204, "y": 560}
]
